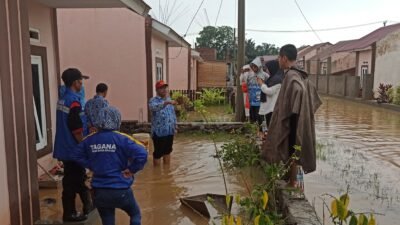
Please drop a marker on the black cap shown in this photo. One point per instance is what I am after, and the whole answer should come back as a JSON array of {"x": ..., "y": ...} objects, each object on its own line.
[{"x": 72, "y": 74}]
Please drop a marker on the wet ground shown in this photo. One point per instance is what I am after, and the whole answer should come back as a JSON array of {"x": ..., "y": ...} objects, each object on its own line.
[{"x": 359, "y": 149}]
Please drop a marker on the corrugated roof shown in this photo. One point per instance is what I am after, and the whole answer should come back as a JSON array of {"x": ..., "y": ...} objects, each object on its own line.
[
  {"x": 329, "y": 51},
  {"x": 370, "y": 38},
  {"x": 310, "y": 49}
]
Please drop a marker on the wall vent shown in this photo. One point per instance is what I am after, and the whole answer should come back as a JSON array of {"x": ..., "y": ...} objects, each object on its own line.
[{"x": 34, "y": 35}]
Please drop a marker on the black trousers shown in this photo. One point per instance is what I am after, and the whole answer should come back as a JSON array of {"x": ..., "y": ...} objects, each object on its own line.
[
  {"x": 74, "y": 183},
  {"x": 254, "y": 117}
]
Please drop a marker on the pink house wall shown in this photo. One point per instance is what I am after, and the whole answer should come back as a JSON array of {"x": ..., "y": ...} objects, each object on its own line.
[
  {"x": 159, "y": 50},
  {"x": 109, "y": 46},
  {"x": 41, "y": 18},
  {"x": 178, "y": 68}
]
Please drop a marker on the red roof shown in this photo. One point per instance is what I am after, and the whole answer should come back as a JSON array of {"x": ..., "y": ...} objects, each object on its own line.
[{"x": 369, "y": 39}]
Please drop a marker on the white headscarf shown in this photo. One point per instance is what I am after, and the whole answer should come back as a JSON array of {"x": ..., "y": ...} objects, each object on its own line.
[{"x": 245, "y": 75}]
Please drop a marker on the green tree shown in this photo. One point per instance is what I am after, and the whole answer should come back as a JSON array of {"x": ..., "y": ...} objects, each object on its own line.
[{"x": 220, "y": 38}]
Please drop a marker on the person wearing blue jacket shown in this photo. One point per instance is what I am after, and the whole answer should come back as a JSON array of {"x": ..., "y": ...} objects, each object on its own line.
[
  {"x": 70, "y": 130},
  {"x": 114, "y": 158}
]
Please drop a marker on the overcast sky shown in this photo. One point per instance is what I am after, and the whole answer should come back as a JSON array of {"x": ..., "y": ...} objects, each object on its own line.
[{"x": 283, "y": 15}]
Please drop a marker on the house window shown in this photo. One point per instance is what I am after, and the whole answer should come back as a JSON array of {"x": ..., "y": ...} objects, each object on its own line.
[
  {"x": 39, "y": 102},
  {"x": 159, "y": 69}
]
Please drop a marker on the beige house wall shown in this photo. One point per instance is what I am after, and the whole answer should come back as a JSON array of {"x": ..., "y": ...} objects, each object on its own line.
[
  {"x": 365, "y": 58},
  {"x": 387, "y": 67},
  {"x": 342, "y": 61},
  {"x": 109, "y": 46},
  {"x": 193, "y": 72}
]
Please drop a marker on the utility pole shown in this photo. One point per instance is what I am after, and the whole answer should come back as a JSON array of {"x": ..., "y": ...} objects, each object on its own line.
[{"x": 240, "y": 61}]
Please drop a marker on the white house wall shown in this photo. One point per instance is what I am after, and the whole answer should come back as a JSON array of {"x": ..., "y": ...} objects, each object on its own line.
[{"x": 387, "y": 67}]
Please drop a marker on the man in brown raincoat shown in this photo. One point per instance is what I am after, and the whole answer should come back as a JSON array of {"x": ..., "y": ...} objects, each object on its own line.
[{"x": 293, "y": 123}]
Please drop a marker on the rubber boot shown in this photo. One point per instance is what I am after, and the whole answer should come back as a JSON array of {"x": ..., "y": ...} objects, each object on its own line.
[{"x": 87, "y": 202}]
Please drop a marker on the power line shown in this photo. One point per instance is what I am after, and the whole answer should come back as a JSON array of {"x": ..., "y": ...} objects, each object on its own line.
[
  {"x": 305, "y": 18},
  {"x": 219, "y": 11},
  {"x": 308, "y": 31},
  {"x": 190, "y": 24},
  {"x": 208, "y": 19}
]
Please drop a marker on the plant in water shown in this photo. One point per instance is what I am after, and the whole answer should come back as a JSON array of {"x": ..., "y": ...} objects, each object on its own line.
[{"x": 341, "y": 214}]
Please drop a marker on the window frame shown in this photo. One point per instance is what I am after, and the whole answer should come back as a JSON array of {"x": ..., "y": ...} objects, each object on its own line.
[{"x": 37, "y": 51}]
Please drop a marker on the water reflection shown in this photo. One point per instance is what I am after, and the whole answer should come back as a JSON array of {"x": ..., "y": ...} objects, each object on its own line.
[{"x": 359, "y": 147}]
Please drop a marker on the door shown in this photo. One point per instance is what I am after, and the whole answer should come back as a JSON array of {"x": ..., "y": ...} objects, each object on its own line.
[
  {"x": 41, "y": 100},
  {"x": 364, "y": 72}
]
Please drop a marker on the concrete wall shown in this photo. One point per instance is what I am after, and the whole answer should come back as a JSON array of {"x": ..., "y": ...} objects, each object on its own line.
[
  {"x": 337, "y": 85},
  {"x": 322, "y": 83},
  {"x": 42, "y": 18},
  {"x": 109, "y": 46},
  {"x": 387, "y": 67},
  {"x": 178, "y": 68},
  {"x": 353, "y": 86}
]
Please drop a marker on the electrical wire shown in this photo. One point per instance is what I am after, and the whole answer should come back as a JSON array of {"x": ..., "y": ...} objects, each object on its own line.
[
  {"x": 305, "y": 18},
  {"x": 307, "y": 31},
  {"x": 187, "y": 30},
  {"x": 219, "y": 11}
]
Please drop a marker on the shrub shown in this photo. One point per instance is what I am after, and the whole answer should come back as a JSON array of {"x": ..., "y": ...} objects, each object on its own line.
[
  {"x": 383, "y": 91},
  {"x": 213, "y": 96},
  {"x": 396, "y": 95},
  {"x": 184, "y": 104}
]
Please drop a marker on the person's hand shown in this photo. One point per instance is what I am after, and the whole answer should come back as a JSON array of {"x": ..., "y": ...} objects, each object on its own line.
[
  {"x": 260, "y": 81},
  {"x": 172, "y": 102},
  {"x": 127, "y": 173}
]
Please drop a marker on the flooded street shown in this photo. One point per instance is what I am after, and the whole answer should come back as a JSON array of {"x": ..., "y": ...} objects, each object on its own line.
[
  {"x": 193, "y": 171},
  {"x": 358, "y": 148}
]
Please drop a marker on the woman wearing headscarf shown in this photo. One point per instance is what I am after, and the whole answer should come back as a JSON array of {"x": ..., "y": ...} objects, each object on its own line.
[
  {"x": 114, "y": 158},
  {"x": 243, "y": 80},
  {"x": 270, "y": 90}
]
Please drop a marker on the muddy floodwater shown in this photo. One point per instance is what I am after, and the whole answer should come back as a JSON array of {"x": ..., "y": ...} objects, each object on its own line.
[
  {"x": 193, "y": 171},
  {"x": 359, "y": 149}
]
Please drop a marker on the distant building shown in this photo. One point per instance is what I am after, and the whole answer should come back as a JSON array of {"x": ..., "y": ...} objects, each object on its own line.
[
  {"x": 305, "y": 54},
  {"x": 378, "y": 53}
]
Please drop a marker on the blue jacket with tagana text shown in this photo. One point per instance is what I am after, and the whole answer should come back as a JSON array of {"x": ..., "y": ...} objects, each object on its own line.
[{"x": 107, "y": 154}]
